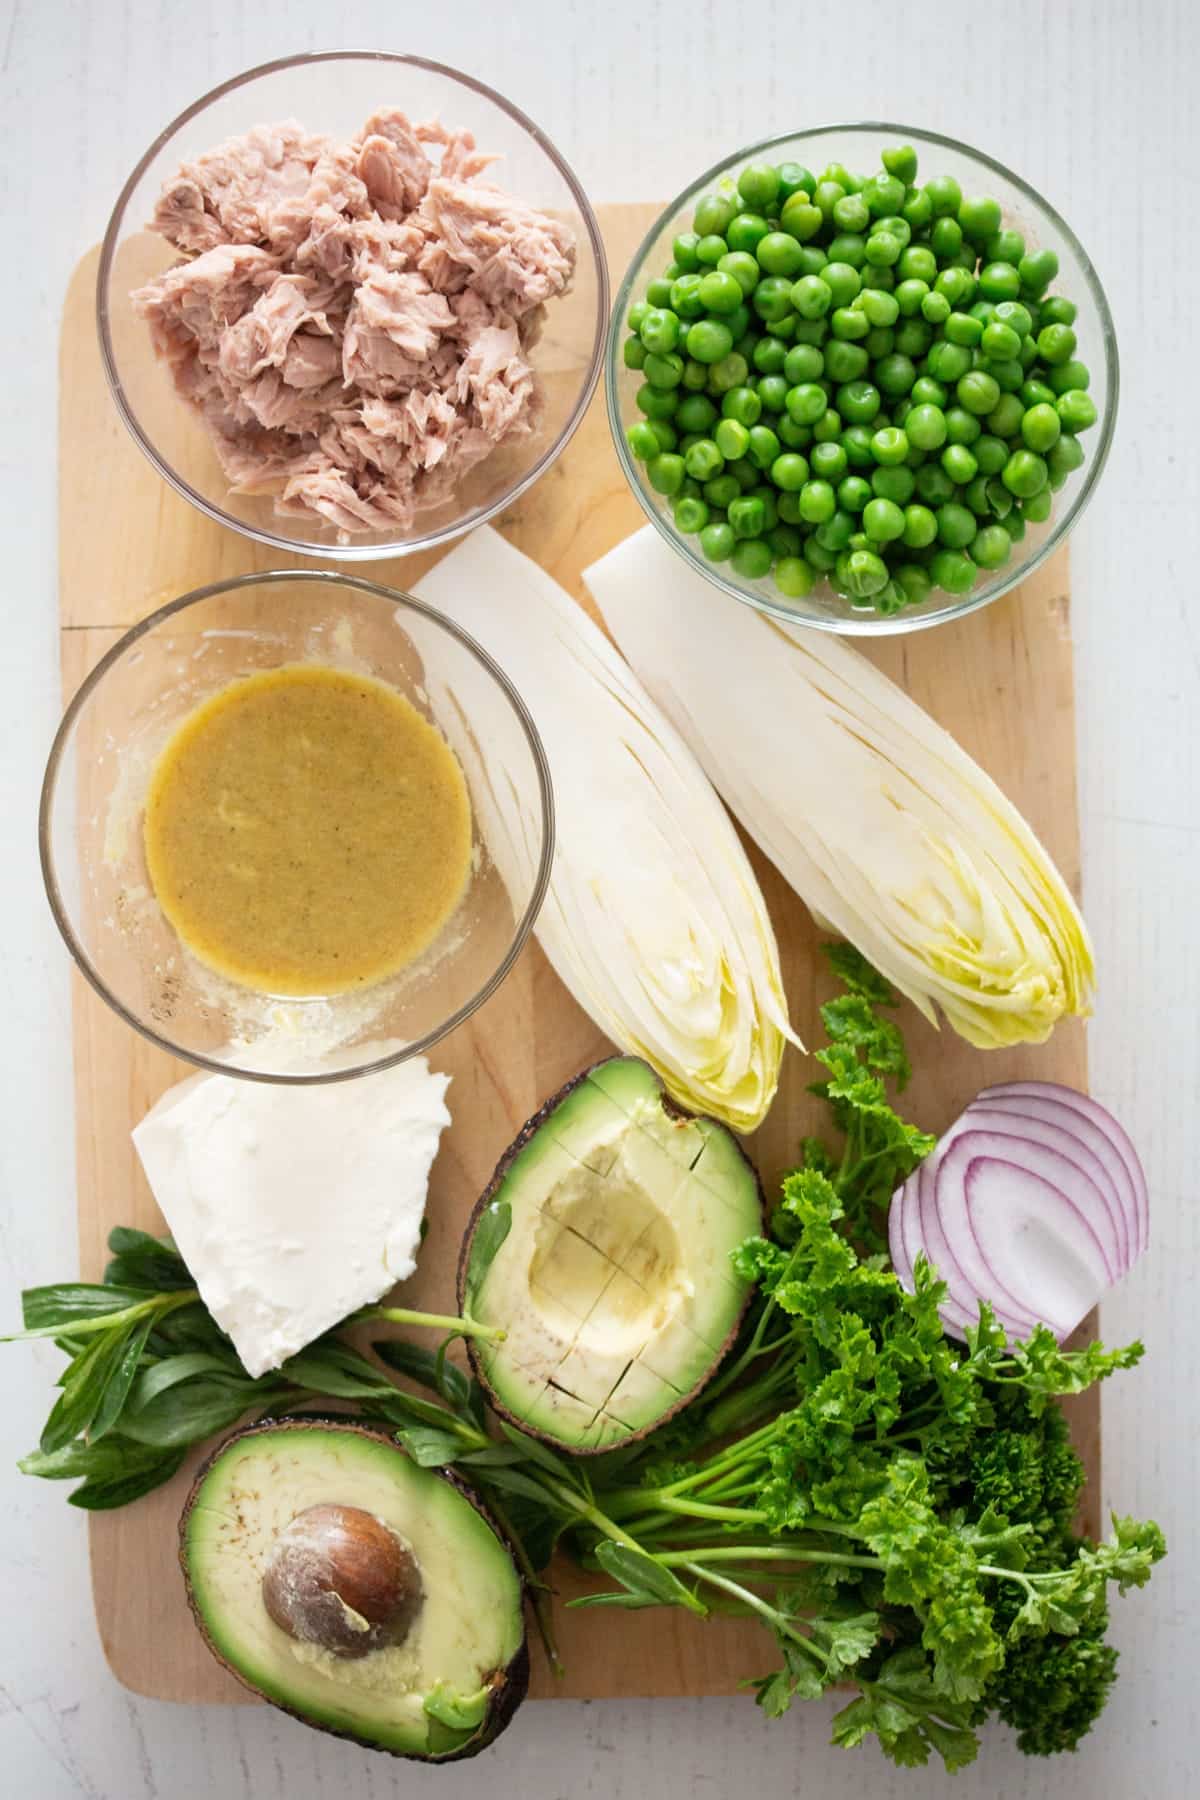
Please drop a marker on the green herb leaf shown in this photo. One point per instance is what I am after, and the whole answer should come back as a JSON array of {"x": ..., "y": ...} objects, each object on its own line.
[
  {"x": 495, "y": 1223},
  {"x": 190, "y": 1411},
  {"x": 431, "y": 1449},
  {"x": 643, "y": 1577},
  {"x": 66, "y": 1302}
]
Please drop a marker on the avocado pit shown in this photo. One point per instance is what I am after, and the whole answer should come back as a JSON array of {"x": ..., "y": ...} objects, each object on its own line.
[{"x": 341, "y": 1579}]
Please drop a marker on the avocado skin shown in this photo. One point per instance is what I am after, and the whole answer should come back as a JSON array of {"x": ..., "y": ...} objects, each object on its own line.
[
  {"x": 513, "y": 1681},
  {"x": 529, "y": 1130}
]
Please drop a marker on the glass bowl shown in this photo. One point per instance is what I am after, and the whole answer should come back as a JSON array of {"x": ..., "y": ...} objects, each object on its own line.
[
  {"x": 92, "y": 809},
  {"x": 335, "y": 92},
  {"x": 859, "y": 146}
]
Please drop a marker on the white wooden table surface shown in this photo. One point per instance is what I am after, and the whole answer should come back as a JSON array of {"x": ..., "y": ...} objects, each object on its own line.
[{"x": 1097, "y": 106}]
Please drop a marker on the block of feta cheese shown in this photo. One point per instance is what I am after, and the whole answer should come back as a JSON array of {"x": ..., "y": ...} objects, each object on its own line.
[{"x": 293, "y": 1206}]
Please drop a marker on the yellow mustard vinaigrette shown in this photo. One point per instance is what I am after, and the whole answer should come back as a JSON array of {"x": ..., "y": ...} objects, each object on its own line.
[{"x": 307, "y": 831}]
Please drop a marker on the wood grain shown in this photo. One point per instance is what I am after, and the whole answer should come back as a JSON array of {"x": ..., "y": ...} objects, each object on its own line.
[{"x": 1001, "y": 681}]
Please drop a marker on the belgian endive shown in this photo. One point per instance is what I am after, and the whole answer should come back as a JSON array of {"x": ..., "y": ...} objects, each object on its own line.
[
  {"x": 886, "y": 829},
  {"x": 654, "y": 919}
]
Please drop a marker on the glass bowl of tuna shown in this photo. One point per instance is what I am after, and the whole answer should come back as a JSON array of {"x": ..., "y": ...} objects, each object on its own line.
[
  {"x": 862, "y": 377},
  {"x": 352, "y": 304},
  {"x": 271, "y": 831}
]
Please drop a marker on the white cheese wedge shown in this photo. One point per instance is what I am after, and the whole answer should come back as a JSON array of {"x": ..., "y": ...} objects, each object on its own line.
[{"x": 293, "y": 1206}]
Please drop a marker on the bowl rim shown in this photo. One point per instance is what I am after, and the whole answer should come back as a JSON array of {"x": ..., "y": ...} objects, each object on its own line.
[
  {"x": 276, "y": 540},
  {"x": 862, "y": 624},
  {"x": 376, "y": 591}
]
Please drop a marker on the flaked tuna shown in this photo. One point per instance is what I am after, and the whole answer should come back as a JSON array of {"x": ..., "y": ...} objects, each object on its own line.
[{"x": 352, "y": 321}]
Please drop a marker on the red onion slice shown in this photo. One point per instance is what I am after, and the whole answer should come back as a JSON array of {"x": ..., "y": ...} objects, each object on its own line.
[
  {"x": 1084, "y": 1107},
  {"x": 1066, "y": 1136},
  {"x": 1030, "y": 1235}
]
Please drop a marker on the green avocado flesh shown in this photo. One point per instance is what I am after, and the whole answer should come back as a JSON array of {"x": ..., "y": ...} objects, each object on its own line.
[
  {"x": 467, "y": 1631},
  {"x": 614, "y": 1284}
]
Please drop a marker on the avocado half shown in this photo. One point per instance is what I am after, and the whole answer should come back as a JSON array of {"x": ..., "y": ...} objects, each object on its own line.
[
  {"x": 413, "y": 1566},
  {"x": 602, "y": 1246}
]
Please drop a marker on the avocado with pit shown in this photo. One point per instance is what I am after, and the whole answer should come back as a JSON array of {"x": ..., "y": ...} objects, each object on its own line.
[
  {"x": 355, "y": 1590},
  {"x": 603, "y": 1249}
]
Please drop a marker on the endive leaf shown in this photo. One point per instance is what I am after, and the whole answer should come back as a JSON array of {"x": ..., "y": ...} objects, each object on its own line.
[
  {"x": 883, "y": 825},
  {"x": 654, "y": 919}
]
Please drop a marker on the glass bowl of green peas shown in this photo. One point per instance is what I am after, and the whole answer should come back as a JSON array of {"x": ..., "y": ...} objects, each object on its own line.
[{"x": 862, "y": 377}]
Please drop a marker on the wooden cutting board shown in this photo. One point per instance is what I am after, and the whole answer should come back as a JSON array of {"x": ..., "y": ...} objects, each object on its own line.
[{"x": 1001, "y": 681}]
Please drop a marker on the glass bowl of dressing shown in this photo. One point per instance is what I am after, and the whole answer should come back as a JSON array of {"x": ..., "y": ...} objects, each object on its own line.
[{"x": 296, "y": 826}]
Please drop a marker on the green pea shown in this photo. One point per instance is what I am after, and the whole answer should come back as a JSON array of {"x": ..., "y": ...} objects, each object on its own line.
[
  {"x": 957, "y": 285},
  {"x": 729, "y": 371},
  {"x": 695, "y": 376},
  {"x": 1037, "y": 507},
  {"x": 1057, "y": 310},
  {"x": 717, "y": 541},
  {"x": 711, "y": 250},
  {"x": 703, "y": 460},
  {"x": 1004, "y": 245},
  {"x": 804, "y": 362},
  {"x": 1041, "y": 428},
  {"x": 690, "y": 515},
  {"x": 684, "y": 299},
  {"x": 879, "y": 341},
  {"x": 999, "y": 340},
  {"x": 853, "y": 493},
  {"x": 978, "y": 392},
  {"x": 772, "y": 298},
  {"x": 991, "y": 547},
  {"x": 898, "y": 227},
  {"x": 851, "y": 213},
  {"x": 714, "y": 212},
  {"x": 979, "y": 218},
  {"x": 633, "y": 353},
  {"x": 758, "y": 185},
  {"x": 961, "y": 328},
  {"x": 658, "y": 292},
  {"x": 816, "y": 554},
  {"x": 878, "y": 308},
  {"x": 864, "y": 573},
  {"x": 683, "y": 250},
  {"x": 722, "y": 489},
  {"x": 643, "y": 441},
  {"x": 1004, "y": 420},
  {"x": 1015, "y": 525},
  {"x": 843, "y": 282},
  {"x": 779, "y": 254},
  {"x": 1009, "y": 375},
  {"x": 991, "y": 453},
  {"x": 934, "y": 485},
  {"x": 742, "y": 404},
  {"x": 945, "y": 195},
  {"x": 817, "y": 502},
  {"x": 858, "y": 401},
  {"x": 962, "y": 427},
  {"x": 897, "y": 483},
  {"x": 800, "y": 217},
  {"x": 746, "y": 231},
  {"x": 719, "y": 292},
  {"x": 1076, "y": 410},
  {"x": 806, "y": 402},
  {"x": 945, "y": 239},
  {"x": 764, "y": 446},
  {"x": 895, "y": 374},
  {"x": 1000, "y": 501},
  {"x": 794, "y": 178},
  {"x": 999, "y": 281},
  {"x": 910, "y": 294},
  {"x": 828, "y": 461},
  {"x": 826, "y": 195},
  {"x": 636, "y": 314},
  {"x": 747, "y": 515},
  {"x": 1024, "y": 474},
  {"x": 789, "y": 472},
  {"x": 769, "y": 355},
  {"x": 659, "y": 330},
  {"x": 917, "y": 262},
  {"x": 917, "y": 209},
  {"x": 913, "y": 338},
  {"x": 1014, "y": 315},
  {"x": 770, "y": 498},
  {"x": 804, "y": 331},
  {"x": 812, "y": 296},
  {"x": 884, "y": 194},
  {"x": 889, "y": 445},
  {"x": 856, "y": 442},
  {"x": 772, "y": 392},
  {"x": 936, "y": 308},
  {"x": 920, "y": 527},
  {"x": 665, "y": 473},
  {"x": 925, "y": 426},
  {"x": 901, "y": 162},
  {"x": 948, "y": 362},
  {"x": 796, "y": 437},
  {"x": 732, "y": 439},
  {"x": 883, "y": 520},
  {"x": 794, "y": 577},
  {"x": 836, "y": 531},
  {"x": 1065, "y": 456},
  {"x": 849, "y": 325},
  {"x": 1027, "y": 355},
  {"x": 956, "y": 524},
  {"x": 657, "y": 403},
  {"x": 1065, "y": 376},
  {"x": 1056, "y": 343},
  {"x": 696, "y": 413},
  {"x": 959, "y": 464},
  {"x": 739, "y": 266},
  {"x": 952, "y": 571},
  {"x": 664, "y": 371},
  {"x": 752, "y": 558},
  {"x": 883, "y": 249},
  {"x": 828, "y": 428},
  {"x": 913, "y": 583}
]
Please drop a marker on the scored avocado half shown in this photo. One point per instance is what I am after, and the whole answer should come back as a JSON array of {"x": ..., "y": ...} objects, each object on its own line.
[
  {"x": 366, "y": 1596},
  {"x": 602, "y": 1247}
]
